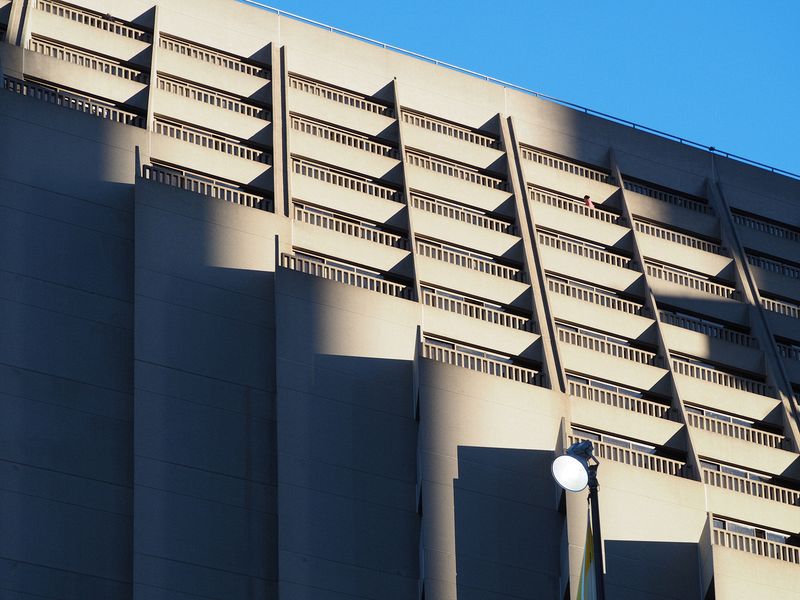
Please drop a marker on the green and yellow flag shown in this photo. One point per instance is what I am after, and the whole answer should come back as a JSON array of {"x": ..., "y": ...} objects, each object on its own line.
[{"x": 587, "y": 590}]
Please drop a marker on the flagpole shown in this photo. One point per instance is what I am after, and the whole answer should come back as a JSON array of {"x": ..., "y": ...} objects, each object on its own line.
[{"x": 596, "y": 536}]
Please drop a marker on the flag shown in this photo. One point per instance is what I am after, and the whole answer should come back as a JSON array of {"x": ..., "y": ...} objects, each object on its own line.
[{"x": 587, "y": 590}]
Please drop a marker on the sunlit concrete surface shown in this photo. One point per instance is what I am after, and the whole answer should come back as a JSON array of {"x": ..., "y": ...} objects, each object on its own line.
[{"x": 285, "y": 314}]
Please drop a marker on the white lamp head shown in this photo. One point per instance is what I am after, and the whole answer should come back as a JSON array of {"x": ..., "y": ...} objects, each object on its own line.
[{"x": 571, "y": 470}]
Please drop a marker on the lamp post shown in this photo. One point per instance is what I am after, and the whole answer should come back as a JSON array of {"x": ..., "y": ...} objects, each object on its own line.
[{"x": 573, "y": 472}]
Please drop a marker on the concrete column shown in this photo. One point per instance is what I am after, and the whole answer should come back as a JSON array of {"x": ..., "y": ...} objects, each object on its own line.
[
  {"x": 760, "y": 329},
  {"x": 678, "y": 407},
  {"x": 527, "y": 227}
]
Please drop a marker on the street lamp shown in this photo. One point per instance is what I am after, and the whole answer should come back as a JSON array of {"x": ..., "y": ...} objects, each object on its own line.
[{"x": 573, "y": 472}]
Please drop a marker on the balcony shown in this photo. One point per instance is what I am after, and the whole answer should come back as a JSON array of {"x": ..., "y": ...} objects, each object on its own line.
[
  {"x": 333, "y": 176},
  {"x": 462, "y": 214},
  {"x": 87, "y": 60},
  {"x": 594, "y": 295},
  {"x": 72, "y": 101},
  {"x": 708, "y": 328},
  {"x": 475, "y": 309},
  {"x": 443, "y": 138},
  {"x": 344, "y": 107},
  {"x": 758, "y": 546},
  {"x": 775, "y": 276},
  {"x": 574, "y": 206},
  {"x": 348, "y": 226},
  {"x": 339, "y": 95},
  {"x": 598, "y": 342},
  {"x": 205, "y": 186},
  {"x": 449, "y": 129},
  {"x": 663, "y": 233},
  {"x": 339, "y": 136},
  {"x": 454, "y": 315},
  {"x": 91, "y": 19},
  {"x": 555, "y": 162},
  {"x": 346, "y": 273},
  {"x": 664, "y": 206},
  {"x": 478, "y": 360},
  {"x": 227, "y": 114},
  {"x": 764, "y": 235},
  {"x": 615, "y": 396},
  {"x": 635, "y": 458},
  {"x": 790, "y": 353},
  {"x": 744, "y": 485},
  {"x": 685, "y": 366},
  {"x": 709, "y": 339},
  {"x": 451, "y": 169},
  {"x": 210, "y": 140},
  {"x": 96, "y": 32},
  {"x": 692, "y": 204},
  {"x": 599, "y": 308},
  {"x": 349, "y": 150},
  {"x": 696, "y": 418},
  {"x": 674, "y": 281},
  {"x": 468, "y": 260},
  {"x": 212, "y": 97},
  {"x": 215, "y": 68},
  {"x": 562, "y": 213},
  {"x": 558, "y": 173},
  {"x": 781, "y": 307},
  {"x": 575, "y": 258},
  {"x": 584, "y": 249}
]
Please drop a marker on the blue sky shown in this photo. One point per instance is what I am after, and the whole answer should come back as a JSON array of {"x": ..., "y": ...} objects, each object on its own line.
[{"x": 725, "y": 73}]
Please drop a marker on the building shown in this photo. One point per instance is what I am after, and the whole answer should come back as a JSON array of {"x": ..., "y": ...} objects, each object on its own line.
[{"x": 286, "y": 314}]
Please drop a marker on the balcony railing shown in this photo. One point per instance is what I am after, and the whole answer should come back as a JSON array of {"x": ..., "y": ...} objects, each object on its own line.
[
  {"x": 575, "y": 338},
  {"x": 449, "y": 129},
  {"x": 444, "y": 167},
  {"x": 334, "y": 177},
  {"x": 759, "y": 546},
  {"x": 212, "y": 141},
  {"x": 733, "y": 430},
  {"x": 721, "y": 333},
  {"x": 347, "y": 227},
  {"x": 760, "y": 489},
  {"x": 476, "y": 311},
  {"x": 214, "y": 57},
  {"x": 781, "y": 307},
  {"x": 787, "y": 351},
  {"x": 595, "y": 296},
  {"x": 643, "y": 460},
  {"x": 336, "y": 95},
  {"x": 674, "y": 199},
  {"x": 87, "y": 60},
  {"x": 73, "y": 102},
  {"x": 327, "y": 132},
  {"x": 585, "y": 250},
  {"x": 766, "y": 227},
  {"x": 205, "y": 187},
  {"x": 618, "y": 400},
  {"x": 91, "y": 19},
  {"x": 343, "y": 274},
  {"x": 737, "y": 382},
  {"x": 697, "y": 282},
  {"x": 459, "y": 213},
  {"x": 774, "y": 266},
  {"x": 575, "y": 206},
  {"x": 467, "y": 261},
  {"x": 679, "y": 238},
  {"x": 212, "y": 97},
  {"x": 561, "y": 164},
  {"x": 483, "y": 365}
]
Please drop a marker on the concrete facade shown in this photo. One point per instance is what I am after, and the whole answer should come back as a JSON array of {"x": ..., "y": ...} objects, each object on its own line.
[{"x": 290, "y": 315}]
